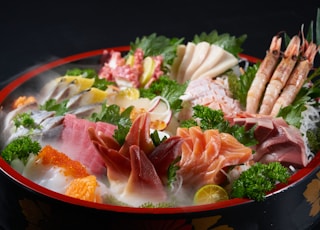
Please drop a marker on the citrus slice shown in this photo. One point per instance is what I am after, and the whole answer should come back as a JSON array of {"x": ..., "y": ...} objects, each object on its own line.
[
  {"x": 130, "y": 93},
  {"x": 130, "y": 60},
  {"x": 98, "y": 95},
  {"x": 81, "y": 82},
  {"x": 84, "y": 188},
  {"x": 210, "y": 193},
  {"x": 148, "y": 69}
]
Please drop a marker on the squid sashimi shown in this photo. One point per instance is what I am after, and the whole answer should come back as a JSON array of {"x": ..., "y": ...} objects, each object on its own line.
[
  {"x": 206, "y": 153},
  {"x": 76, "y": 143}
]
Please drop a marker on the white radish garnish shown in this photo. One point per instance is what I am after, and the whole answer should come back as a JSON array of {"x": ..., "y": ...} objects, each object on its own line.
[{"x": 161, "y": 110}]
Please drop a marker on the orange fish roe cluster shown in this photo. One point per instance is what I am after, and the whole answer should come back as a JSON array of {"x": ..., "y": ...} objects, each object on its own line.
[
  {"x": 49, "y": 155},
  {"x": 23, "y": 100},
  {"x": 84, "y": 189}
]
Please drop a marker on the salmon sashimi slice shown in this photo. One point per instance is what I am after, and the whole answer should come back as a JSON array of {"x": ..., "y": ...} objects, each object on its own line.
[{"x": 202, "y": 160}]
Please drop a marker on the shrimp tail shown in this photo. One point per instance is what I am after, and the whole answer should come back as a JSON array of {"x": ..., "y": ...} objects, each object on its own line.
[
  {"x": 280, "y": 75},
  {"x": 297, "y": 78},
  {"x": 263, "y": 75}
]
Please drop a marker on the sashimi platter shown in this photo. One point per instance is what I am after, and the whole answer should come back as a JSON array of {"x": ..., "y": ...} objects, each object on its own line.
[{"x": 169, "y": 128}]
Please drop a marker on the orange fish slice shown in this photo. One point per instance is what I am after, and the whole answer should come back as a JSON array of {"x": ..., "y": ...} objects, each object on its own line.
[{"x": 85, "y": 189}]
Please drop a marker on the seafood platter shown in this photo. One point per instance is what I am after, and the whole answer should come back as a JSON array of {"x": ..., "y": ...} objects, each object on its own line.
[{"x": 165, "y": 134}]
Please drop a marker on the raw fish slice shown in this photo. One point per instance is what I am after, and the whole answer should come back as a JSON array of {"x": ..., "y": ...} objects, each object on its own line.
[
  {"x": 104, "y": 140},
  {"x": 199, "y": 56},
  {"x": 144, "y": 183},
  {"x": 181, "y": 49},
  {"x": 76, "y": 143},
  {"x": 118, "y": 166},
  {"x": 227, "y": 61},
  {"x": 164, "y": 154},
  {"x": 187, "y": 57},
  {"x": 214, "y": 55},
  {"x": 211, "y": 152},
  {"x": 235, "y": 152},
  {"x": 139, "y": 134}
]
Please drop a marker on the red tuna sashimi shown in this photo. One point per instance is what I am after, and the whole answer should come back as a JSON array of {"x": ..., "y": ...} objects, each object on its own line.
[
  {"x": 77, "y": 145},
  {"x": 118, "y": 165},
  {"x": 144, "y": 180}
]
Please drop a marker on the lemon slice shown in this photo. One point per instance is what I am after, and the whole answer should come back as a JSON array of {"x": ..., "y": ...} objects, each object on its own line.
[
  {"x": 210, "y": 193},
  {"x": 130, "y": 60},
  {"x": 97, "y": 95},
  {"x": 81, "y": 82},
  {"x": 130, "y": 93},
  {"x": 148, "y": 69}
]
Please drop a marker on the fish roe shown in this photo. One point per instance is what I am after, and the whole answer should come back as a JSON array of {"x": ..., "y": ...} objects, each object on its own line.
[
  {"x": 51, "y": 156},
  {"x": 23, "y": 100}
]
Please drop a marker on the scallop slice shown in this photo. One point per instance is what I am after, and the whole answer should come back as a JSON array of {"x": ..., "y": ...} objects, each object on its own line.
[
  {"x": 187, "y": 57},
  {"x": 199, "y": 56},
  {"x": 214, "y": 56},
  {"x": 181, "y": 50},
  {"x": 222, "y": 64}
]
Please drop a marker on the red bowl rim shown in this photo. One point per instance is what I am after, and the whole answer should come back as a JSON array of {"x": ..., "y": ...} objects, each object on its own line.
[{"x": 26, "y": 183}]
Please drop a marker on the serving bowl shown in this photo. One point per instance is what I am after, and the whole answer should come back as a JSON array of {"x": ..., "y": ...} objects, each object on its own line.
[{"x": 27, "y": 205}]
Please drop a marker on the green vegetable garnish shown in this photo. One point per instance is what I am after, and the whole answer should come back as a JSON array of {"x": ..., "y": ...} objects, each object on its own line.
[
  {"x": 20, "y": 148},
  {"x": 167, "y": 88},
  {"x": 229, "y": 43},
  {"x": 239, "y": 86},
  {"x": 208, "y": 118},
  {"x": 111, "y": 114},
  {"x": 53, "y": 105},
  {"x": 25, "y": 120},
  {"x": 259, "y": 179},
  {"x": 153, "y": 45}
]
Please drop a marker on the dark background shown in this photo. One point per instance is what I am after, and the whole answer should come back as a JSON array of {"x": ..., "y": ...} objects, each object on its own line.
[{"x": 32, "y": 34}]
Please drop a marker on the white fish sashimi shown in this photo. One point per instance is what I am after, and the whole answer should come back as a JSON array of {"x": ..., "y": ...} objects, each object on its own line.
[
  {"x": 185, "y": 62},
  {"x": 226, "y": 62},
  {"x": 214, "y": 56},
  {"x": 199, "y": 56}
]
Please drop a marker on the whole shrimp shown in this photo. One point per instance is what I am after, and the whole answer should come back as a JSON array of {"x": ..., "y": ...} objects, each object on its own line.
[
  {"x": 296, "y": 79},
  {"x": 263, "y": 75},
  {"x": 280, "y": 75}
]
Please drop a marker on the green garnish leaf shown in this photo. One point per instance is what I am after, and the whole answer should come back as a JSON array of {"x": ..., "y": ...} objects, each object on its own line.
[
  {"x": 208, "y": 118},
  {"x": 20, "y": 148},
  {"x": 112, "y": 114},
  {"x": 52, "y": 105},
  {"x": 25, "y": 120},
  {"x": 259, "y": 179},
  {"x": 239, "y": 86},
  {"x": 169, "y": 89},
  {"x": 154, "y": 45},
  {"x": 229, "y": 43}
]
